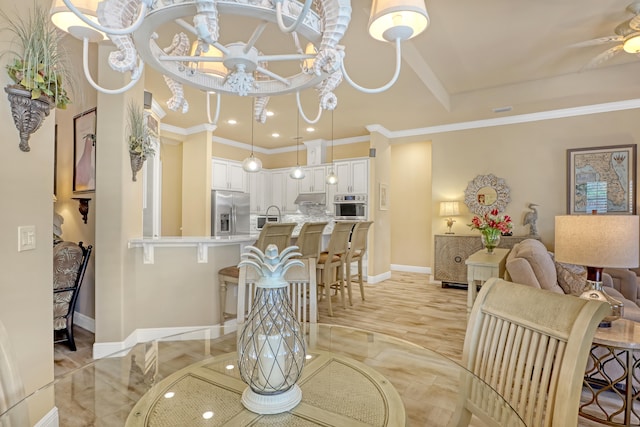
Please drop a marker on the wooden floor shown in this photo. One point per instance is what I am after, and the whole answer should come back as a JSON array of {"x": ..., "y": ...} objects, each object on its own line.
[{"x": 407, "y": 306}]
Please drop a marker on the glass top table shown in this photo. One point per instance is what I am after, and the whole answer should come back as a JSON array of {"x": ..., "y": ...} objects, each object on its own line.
[{"x": 352, "y": 377}]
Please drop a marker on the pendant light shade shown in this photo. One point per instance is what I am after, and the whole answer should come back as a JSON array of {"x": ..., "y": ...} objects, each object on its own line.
[
  {"x": 252, "y": 163},
  {"x": 297, "y": 172},
  {"x": 332, "y": 178},
  {"x": 397, "y": 19}
]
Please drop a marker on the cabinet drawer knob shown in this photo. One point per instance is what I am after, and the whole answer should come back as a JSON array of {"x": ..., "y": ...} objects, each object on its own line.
[{"x": 458, "y": 259}]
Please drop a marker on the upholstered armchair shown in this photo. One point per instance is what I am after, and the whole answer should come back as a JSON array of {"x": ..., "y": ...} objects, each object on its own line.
[
  {"x": 530, "y": 263},
  {"x": 69, "y": 265},
  {"x": 627, "y": 282}
]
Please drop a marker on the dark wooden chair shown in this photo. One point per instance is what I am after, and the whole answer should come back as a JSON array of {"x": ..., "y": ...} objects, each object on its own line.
[{"x": 69, "y": 266}]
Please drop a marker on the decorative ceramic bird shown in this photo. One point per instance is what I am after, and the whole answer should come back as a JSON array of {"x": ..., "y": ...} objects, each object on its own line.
[{"x": 530, "y": 219}]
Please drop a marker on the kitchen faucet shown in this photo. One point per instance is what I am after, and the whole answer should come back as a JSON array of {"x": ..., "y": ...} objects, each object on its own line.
[{"x": 279, "y": 213}]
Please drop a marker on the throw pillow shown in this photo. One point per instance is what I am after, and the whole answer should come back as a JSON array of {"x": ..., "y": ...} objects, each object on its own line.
[{"x": 571, "y": 278}]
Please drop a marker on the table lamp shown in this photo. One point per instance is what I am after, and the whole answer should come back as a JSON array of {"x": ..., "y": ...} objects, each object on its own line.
[
  {"x": 449, "y": 209},
  {"x": 597, "y": 242}
]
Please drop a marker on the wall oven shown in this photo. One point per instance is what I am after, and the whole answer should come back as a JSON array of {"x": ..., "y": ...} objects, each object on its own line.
[{"x": 350, "y": 206}]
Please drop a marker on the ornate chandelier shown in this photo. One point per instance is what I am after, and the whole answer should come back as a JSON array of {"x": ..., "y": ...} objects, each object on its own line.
[{"x": 198, "y": 57}]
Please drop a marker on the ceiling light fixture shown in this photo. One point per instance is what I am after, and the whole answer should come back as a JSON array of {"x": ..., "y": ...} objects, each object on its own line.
[
  {"x": 297, "y": 172},
  {"x": 236, "y": 68},
  {"x": 252, "y": 164},
  {"x": 332, "y": 178},
  {"x": 632, "y": 43}
]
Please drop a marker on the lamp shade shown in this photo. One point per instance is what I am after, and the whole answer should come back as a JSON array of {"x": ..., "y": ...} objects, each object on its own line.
[
  {"x": 63, "y": 18},
  {"x": 393, "y": 19},
  {"x": 608, "y": 241},
  {"x": 213, "y": 68},
  {"x": 449, "y": 208}
]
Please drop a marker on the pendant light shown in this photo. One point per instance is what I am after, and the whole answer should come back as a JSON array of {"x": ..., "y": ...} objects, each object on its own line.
[
  {"x": 252, "y": 164},
  {"x": 297, "y": 172},
  {"x": 332, "y": 178}
]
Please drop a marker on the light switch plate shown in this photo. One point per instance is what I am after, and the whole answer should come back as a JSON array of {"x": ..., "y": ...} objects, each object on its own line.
[{"x": 26, "y": 238}]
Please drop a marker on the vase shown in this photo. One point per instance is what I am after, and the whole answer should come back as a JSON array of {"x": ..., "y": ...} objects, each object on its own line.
[
  {"x": 594, "y": 291},
  {"x": 490, "y": 239},
  {"x": 27, "y": 113},
  {"x": 137, "y": 160}
]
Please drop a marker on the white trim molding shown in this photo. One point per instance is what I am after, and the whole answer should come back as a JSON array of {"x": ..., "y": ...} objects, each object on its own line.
[{"x": 411, "y": 268}]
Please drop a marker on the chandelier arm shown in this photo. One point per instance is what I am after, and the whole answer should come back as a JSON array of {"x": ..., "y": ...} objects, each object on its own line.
[
  {"x": 255, "y": 36},
  {"x": 303, "y": 14},
  {"x": 87, "y": 73},
  {"x": 271, "y": 74},
  {"x": 215, "y": 120},
  {"x": 381, "y": 88},
  {"x": 311, "y": 122},
  {"x": 112, "y": 31}
]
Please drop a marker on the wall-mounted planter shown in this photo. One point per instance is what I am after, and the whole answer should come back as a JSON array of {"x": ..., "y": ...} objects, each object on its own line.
[
  {"x": 28, "y": 114},
  {"x": 137, "y": 160}
]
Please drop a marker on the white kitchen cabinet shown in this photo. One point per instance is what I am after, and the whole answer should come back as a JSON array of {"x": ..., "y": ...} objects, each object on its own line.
[
  {"x": 314, "y": 180},
  {"x": 284, "y": 191},
  {"x": 227, "y": 175},
  {"x": 353, "y": 176},
  {"x": 259, "y": 188}
]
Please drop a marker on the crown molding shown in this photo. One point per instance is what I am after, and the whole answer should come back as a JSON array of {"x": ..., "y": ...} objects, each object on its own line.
[{"x": 606, "y": 107}]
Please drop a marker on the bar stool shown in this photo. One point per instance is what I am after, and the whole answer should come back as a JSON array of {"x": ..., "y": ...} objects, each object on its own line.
[
  {"x": 275, "y": 233},
  {"x": 357, "y": 251},
  {"x": 310, "y": 238},
  {"x": 330, "y": 263}
]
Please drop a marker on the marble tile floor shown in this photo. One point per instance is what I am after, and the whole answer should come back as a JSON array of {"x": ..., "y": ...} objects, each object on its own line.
[{"x": 409, "y": 306}]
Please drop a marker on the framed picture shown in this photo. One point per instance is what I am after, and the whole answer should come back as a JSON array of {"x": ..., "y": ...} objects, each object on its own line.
[
  {"x": 601, "y": 179},
  {"x": 84, "y": 152},
  {"x": 384, "y": 197}
]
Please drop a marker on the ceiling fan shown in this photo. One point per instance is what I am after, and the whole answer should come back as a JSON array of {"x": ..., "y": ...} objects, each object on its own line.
[{"x": 627, "y": 36}]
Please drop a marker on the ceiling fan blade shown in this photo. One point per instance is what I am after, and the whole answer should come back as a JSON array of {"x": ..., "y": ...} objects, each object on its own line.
[
  {"x": 598, "y": 41},
  {"x": 603, "y": 57},
  {"x": 634, "y": 23}
]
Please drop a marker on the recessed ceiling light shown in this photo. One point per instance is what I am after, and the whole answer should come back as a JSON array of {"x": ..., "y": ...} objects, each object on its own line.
[
  {"x": 232, "y": 121},
  {"x": 269, "y": 113},
  {"x": 275, "y": 134},
  {"x": 310, "y": 129}
]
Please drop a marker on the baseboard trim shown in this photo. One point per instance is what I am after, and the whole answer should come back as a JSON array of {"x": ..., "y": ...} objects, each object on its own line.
[
  {"x": 379, "y": 277},
  {"x": 50, "y": 419},
  {"x": 411, "y": 268},
  {"x": 85, "y": 322}
]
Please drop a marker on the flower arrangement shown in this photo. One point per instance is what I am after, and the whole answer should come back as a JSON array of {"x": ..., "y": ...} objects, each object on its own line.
[
  {"x": 491, "y": 225},
  {"x": 140, "y": 142},
  {"x": 492, "y": 221},
  {"x": 42, "y": 65}
]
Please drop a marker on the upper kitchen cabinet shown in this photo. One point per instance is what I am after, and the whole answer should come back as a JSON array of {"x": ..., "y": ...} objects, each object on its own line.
[
  {"x": 284, "y": 191},
  {"x": 353, "y": 176},
  {"x": 227, "y": 175},
  {"x": 314, "y": 180},
  {"x": 260, "y": 191}
]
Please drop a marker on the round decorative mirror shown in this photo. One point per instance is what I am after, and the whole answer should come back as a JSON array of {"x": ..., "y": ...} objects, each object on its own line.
[{"x": 485, "y": 193}]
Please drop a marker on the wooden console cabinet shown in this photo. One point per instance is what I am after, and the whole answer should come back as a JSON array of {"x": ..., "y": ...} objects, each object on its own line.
[{"x": 452, "y": 250}]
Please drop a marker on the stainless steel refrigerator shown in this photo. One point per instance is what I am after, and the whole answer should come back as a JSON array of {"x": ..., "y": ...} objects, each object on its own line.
[{"x": 229, "y": 213}]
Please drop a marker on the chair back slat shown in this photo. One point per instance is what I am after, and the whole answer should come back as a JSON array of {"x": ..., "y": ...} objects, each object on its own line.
[
  {"x": 531, "y": 346},
  {"x": 302, "y": 291},
  {"x": 310, "y": 239},
  {"x": 275, "y": 233}
]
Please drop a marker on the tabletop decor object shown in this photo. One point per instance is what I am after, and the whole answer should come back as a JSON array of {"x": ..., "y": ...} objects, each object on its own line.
[
  {"x": 271, "y": 346},
  {"x": 449, "y": 210},
  {"x": 597, "y": 242},
  {"x": 37, "y": 72},
  {"x": 491, "y": 226}
]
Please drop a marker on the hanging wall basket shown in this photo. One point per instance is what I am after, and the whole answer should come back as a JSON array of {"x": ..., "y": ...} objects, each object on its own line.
[
  {"x": 28, "y": 114},
  {"x": 137, "y": 160}
]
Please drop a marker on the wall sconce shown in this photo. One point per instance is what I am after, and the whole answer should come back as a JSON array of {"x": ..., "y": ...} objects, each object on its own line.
[
  {"x": 83, "y": 207},
  {"x": 449, "y": 209}
]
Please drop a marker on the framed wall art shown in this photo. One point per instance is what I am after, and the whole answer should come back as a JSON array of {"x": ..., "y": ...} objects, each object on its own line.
[
  {"x": 601, "y": 179},
  {"x": 84, "y": 152},
  {"x": 384, "y": 197}
]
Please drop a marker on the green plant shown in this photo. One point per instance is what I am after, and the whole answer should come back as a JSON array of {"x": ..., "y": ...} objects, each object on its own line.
[
  {"x": 139, "y": 139},
  {"x": 42, "y": 65}
]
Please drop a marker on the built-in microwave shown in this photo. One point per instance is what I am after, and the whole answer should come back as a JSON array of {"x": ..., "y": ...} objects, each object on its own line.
[
  {"x": 261, "y": 220},
  {"x": 350, "y": 206}
]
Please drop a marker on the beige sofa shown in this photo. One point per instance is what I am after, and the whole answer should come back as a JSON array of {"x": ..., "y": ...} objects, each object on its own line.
[{"x": 530, "y": 263}]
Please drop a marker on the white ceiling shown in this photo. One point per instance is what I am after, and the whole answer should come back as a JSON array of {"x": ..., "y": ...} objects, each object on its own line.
[{"x": 474, "y": 57}]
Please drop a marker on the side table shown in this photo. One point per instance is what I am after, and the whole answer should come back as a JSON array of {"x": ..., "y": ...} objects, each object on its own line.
[
  {"x": 612, "y": 378},
  {"x": 482, "y": 266}
]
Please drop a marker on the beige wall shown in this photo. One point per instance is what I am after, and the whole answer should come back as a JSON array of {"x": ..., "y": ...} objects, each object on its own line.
[
  {"x": 379, "y": 245},
  {"x": 531, "y": 157},
  {"x": 410, "y": 192},
  {"x": 171, "y": 189},
  {"x": 196, "y": 185}
]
